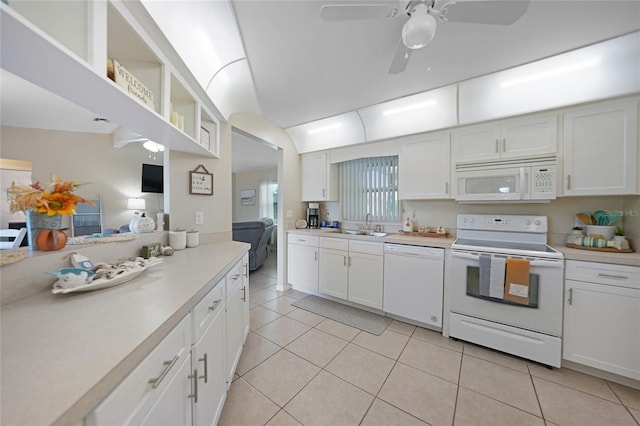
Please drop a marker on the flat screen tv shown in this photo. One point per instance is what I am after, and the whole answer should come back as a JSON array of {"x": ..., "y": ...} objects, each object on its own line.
[{"x": 152, "y": 179}]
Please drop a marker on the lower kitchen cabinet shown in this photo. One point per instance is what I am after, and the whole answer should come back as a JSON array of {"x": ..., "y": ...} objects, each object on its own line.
[
  {"x": 601, "y": 317},
  {"x": 302, "y": 263},
  {"x": 184, "y": 380},
  {"x": 366, "y": 267},
  {"x": 333, "y": 268}
]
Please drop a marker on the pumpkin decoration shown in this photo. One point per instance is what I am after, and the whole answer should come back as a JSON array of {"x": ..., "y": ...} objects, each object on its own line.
[
  {"x": 142, "y": 224},
  {"x": 51, "y": 239}
]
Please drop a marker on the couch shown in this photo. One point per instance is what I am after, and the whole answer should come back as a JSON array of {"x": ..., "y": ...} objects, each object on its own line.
[{"x": 258, "y": 234}]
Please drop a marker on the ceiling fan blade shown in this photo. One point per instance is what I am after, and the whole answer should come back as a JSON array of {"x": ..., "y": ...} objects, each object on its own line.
[
  {"x": 351, "y": 12},
  {"x": 495, "y": 12},
  {"x": 400, "y": 59}
]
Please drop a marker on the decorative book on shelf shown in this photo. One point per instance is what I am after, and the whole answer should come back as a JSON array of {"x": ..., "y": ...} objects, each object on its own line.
[{"x": 126, "y": 80}]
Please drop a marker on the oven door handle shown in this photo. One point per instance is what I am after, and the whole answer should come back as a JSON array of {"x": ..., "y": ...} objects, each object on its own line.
[{"x": 543, "y": 263}]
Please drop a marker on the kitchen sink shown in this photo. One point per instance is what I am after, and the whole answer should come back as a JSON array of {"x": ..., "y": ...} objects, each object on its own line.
[{"x": 364, "y": 232}]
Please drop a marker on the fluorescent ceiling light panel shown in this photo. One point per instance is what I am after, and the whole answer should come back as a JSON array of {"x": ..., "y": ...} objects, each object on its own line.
[
  {"x": 323, "y": 129},
  {"x": 410, "y": 107},
  {"x": 553, "y": 72}
]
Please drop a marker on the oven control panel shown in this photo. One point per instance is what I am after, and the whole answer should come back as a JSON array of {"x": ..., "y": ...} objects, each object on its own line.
[{"x": 510, "y": 223}]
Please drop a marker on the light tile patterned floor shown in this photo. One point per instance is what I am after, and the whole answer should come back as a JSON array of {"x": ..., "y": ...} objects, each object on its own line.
[{"x": 298, "y": 368}]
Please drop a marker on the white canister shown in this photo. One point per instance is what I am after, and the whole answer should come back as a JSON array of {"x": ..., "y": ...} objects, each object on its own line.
[
  {"x": 178, "y": 239},
  {"x": 193, "y": 238}
]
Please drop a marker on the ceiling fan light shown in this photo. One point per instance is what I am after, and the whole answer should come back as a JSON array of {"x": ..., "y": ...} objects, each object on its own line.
[{"x": 419, "y": 30}]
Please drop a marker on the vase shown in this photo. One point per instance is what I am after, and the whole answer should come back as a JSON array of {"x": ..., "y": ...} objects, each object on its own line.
[{"x": 38, "y": 222}]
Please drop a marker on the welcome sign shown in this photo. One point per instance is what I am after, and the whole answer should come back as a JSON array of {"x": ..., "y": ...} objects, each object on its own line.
[{"x": 126, "y": 80}]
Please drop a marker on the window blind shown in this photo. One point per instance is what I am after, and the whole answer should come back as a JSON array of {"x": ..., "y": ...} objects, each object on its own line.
[{"x": 370, "y": 186}]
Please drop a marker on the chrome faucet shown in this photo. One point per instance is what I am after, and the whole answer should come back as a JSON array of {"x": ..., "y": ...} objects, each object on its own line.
[{"x": 367, "y": 226}]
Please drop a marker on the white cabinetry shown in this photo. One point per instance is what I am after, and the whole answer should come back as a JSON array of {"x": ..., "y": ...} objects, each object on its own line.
[
  {"x": 236, "y": 296},
  {"x": 208, "y": 358},
  {"x": 366, "y": 266},
  {"x": 319, "y": 177},
  {"x": 302, "y": 262},
  {"x": 333, "y": 273},
  {"x": 601, "y": 317},
  {"x": 157, "y": 390},
  {"x": 352, "y": 270},
  {"x": 600, "y": 149},
  {"x": 529, "y": 137},
  {"x": 425, "y": 167}
]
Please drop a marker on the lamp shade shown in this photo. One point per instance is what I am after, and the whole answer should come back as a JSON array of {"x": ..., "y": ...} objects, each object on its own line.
[
  {"x": 136, "y": 204},
  {"x": 419, "y": 30}
]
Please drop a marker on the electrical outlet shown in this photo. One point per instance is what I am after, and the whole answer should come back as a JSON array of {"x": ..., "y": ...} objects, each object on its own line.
[
  {"x": 199, "y": 218},
  {"x": 289, "y": 214}
]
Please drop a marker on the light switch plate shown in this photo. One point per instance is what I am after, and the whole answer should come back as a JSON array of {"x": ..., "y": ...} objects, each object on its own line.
[{"x": 199, "y": 218}]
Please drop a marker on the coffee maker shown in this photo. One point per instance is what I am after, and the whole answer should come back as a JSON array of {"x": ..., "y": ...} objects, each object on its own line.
[{"x": 313, "y": 216}]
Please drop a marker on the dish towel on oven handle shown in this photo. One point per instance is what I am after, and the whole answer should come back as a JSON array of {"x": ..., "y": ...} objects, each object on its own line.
[
  {"x": 484, "y": 262},
  {"x": 517, "y": 281},
  {"x": 496, "y": 280}
]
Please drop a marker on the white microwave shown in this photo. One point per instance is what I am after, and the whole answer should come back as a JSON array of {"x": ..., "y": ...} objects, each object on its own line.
[{"x": 506, "y": 182}]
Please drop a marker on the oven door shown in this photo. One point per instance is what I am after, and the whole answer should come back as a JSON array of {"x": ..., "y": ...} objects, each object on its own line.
[
  {"x": 489, "y": 184},
  {"x": 543, "y": 313}
]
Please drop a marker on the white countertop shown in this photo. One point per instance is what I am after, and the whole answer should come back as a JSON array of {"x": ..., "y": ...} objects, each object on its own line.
[
  {"x": 63, "y": 354},
  {"x": 632, "y": 259}
]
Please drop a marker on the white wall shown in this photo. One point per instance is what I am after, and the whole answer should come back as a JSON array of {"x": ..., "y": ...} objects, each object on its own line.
[
  {"x": 249, "y": 180},
  {"x": 112, "y": 173}
]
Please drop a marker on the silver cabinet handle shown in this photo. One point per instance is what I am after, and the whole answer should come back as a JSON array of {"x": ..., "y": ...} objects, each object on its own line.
[
  {"x": 215, "y": 304},
  {"x": 497, "y": 146},
  {"x": 504, "y": 144},
  {"x": 617, "y": 277},
  {"x": 568, "y": 181},
  {"x": 244, "y": 293},
  {"x": 316, "y": 255},
  {"x": 323, "y": 193},
  {"x": 446, "y": 187},
  {"x": 570, "y": 296},
  {"x": 194, "y": 377},
  {"x": 168, "y": 364},
  {"x": 235, "y": 277},
  {"x": 246, "y": 270},
  {"x": 345, "y": 260},
  {"x": 349, "y": 261},
  {"x": 206, "y": 369}
]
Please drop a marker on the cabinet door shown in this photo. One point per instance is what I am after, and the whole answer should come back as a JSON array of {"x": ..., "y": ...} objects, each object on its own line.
[
  {"x": 601, "y": 327},
  {"x": 424, "y": 168},
  {"x": 314, "y": 177},
  {"x": 173, "y": 407},
  {"x": 208, "y": 360},
  {"x": 333, "y": 272},
  {"x": 245, "y": 296},
  {"x": 600, "y": 149},
  {"x": 302, "y": 268},
  {"x": 476, "y": 143},
  {"x": 365, "y": 279},
  {"x": 235, "y": 331},
  {"x": 530, "y": 137}
]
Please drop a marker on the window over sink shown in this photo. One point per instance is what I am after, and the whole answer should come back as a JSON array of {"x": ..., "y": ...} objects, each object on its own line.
[{"x": 370, "y": 186}]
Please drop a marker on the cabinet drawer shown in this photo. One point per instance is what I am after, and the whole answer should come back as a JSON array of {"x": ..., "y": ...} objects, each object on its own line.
[
  {"x": 206, "y": 310},
  {"x": 334, "y": 243},
  {"x": 138, "y": 392},
  {"x": 367, "y": 247},
  {"x": 303, "y": 240},
  {"x": 234, "y": 277},
  {"x": 604, "y": 273}
]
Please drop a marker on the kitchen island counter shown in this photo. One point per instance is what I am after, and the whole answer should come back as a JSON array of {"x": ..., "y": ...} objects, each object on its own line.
[
  {"x": 631, "y": 259},
  {"x": 63, "y": 354}
]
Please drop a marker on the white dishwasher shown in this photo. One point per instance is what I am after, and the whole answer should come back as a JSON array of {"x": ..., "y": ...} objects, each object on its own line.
[{"x": 413, "y": 283}]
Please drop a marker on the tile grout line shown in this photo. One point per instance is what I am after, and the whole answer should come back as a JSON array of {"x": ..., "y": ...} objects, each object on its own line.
[
  {"x": 455, "y": 405},
  {"x": 535, "y": 391}
]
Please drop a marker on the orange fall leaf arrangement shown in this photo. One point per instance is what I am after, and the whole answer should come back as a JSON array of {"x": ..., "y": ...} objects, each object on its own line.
[{"x": 56, "y": 198}]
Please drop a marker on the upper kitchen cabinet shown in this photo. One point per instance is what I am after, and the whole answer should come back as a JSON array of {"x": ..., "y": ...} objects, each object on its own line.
[
  {"x": 520, "y": 138},
  {"x": 424, "y": 167},
  {"x": 600, "y": 149},
  {"x": 319, "y": 177}
]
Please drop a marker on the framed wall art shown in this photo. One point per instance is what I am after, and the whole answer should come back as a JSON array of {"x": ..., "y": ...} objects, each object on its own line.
[{"x": 200, "y": 181}]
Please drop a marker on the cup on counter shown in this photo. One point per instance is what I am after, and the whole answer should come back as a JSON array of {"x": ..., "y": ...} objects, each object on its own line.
[
  {"x": 193, "y": 238},
  {"x": 178, "y": 239},
  {"x": 335, "y": 224},
  {"x": 323, "y": 224}
]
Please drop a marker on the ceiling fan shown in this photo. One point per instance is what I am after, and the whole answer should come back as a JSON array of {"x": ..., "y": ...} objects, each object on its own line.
[{"x": 420, "y": 27}]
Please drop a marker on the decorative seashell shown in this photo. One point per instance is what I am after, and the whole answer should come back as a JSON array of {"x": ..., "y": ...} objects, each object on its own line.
[{"x": 167, "y": 251}]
